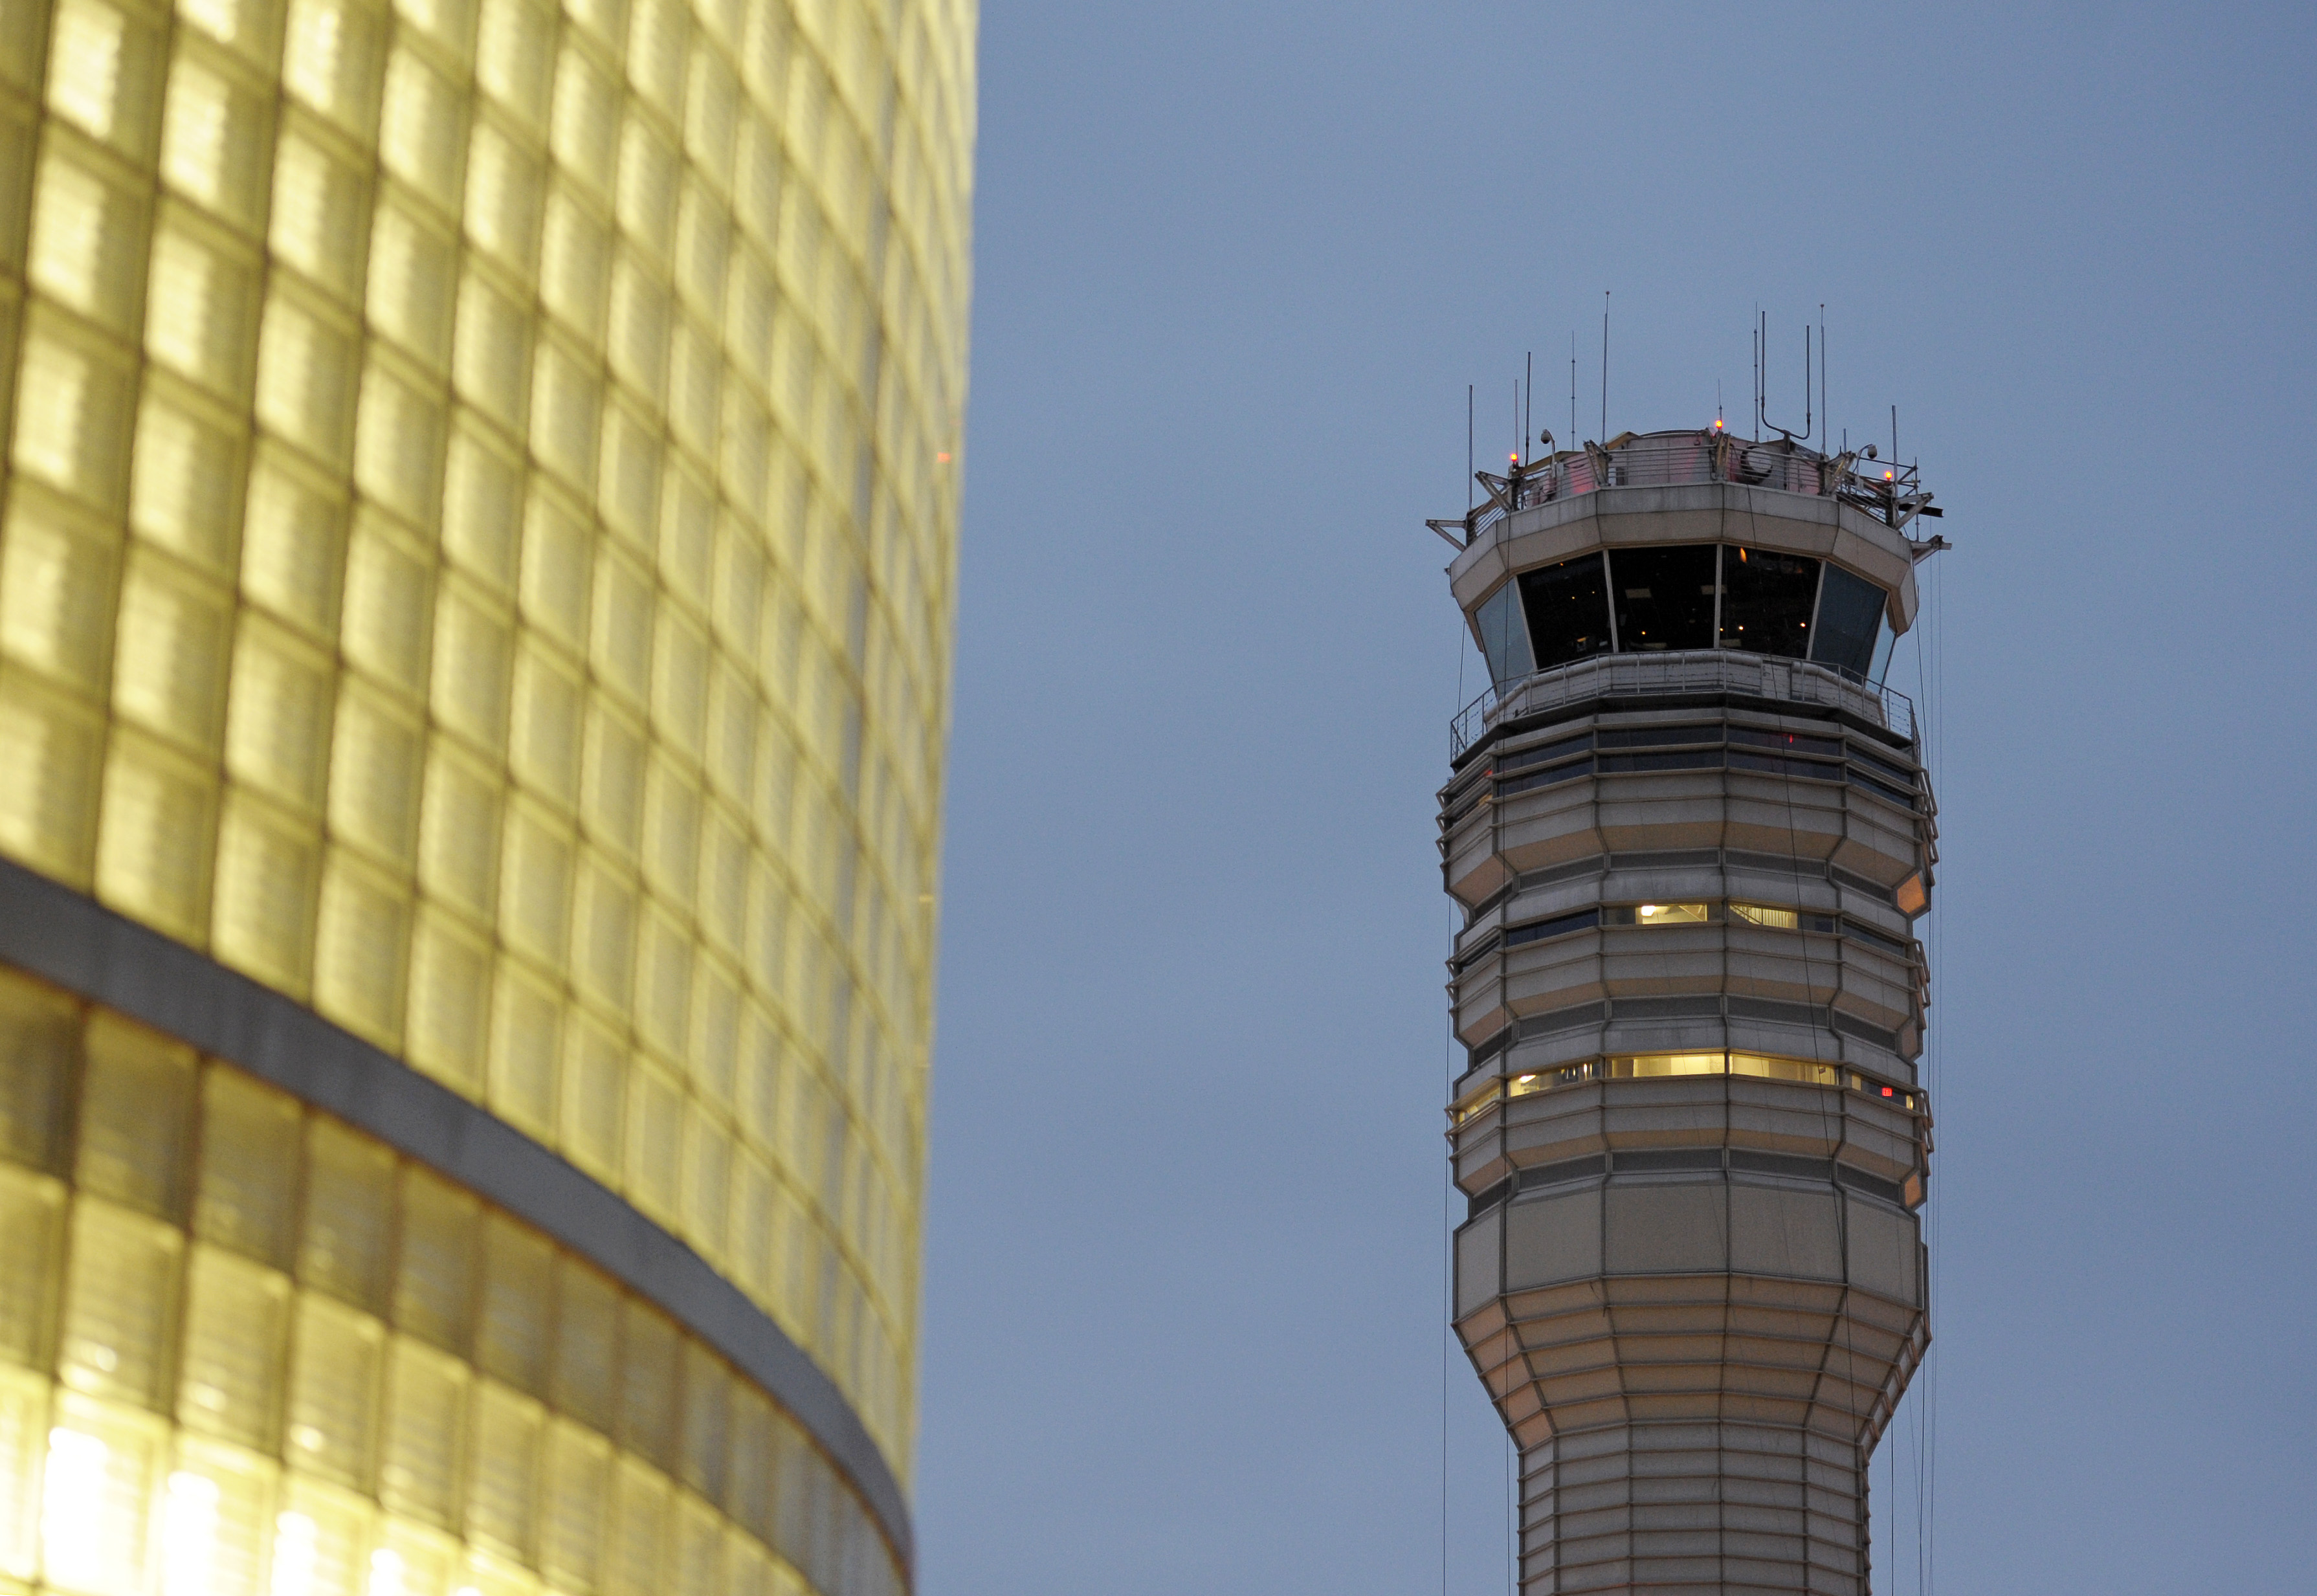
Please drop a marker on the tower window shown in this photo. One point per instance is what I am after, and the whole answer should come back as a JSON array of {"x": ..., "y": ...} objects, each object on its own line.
[
  {"x": 1849, "y": 614},
  {"x": 1665, "y": 597},
  {"x": 1766, "y": 601},
  {"x": 1568, "y": 607}
]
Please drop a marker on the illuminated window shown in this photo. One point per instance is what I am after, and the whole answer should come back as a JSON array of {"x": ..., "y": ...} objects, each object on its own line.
[
  {"x": 1660, "y": 914},
  {"x": 1665, "y": 1066}
]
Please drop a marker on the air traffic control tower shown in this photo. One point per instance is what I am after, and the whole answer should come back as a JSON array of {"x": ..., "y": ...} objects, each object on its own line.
[{"x": 1690, "y": 833}]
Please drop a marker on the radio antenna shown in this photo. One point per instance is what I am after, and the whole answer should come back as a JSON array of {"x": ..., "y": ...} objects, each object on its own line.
[
  {"x": 1605, "y": 366},
  {"x": 1754, "y": 338},
  {"x": 1528, "y": 394}
]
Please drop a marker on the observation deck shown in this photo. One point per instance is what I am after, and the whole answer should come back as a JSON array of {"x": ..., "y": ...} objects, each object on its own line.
[{"x": 1762, "y": 567}]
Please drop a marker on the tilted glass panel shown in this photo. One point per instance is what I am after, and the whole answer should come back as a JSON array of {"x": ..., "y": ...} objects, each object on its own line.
[
  {"x": 1766, "y": 601},
  {"x": 1664, "y": 597},
  {"x": 1504, "y": 636},
  {"x": 1850, "y": 612},
  {"x": 1568, "y": 611}
]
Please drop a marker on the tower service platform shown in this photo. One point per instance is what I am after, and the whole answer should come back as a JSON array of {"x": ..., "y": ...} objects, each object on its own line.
[{"x": 1690, "y": 832}]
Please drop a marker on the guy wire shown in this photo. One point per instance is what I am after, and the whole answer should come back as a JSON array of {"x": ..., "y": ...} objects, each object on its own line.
[{"x": 1449, "y": 1175}]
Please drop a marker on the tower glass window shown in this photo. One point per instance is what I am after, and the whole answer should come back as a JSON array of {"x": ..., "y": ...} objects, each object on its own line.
[
  {"x": 1568, "y": 610},
  {"x": 1664, "y": 597},
  {"x": 1850, "y": 618},
  {"x": 1766, "y": 598},
  {"x": 1504, "y": 638}
]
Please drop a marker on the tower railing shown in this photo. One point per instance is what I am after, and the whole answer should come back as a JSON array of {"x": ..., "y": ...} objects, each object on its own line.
[
  {"x": 1697, "y": 671},
  {"x": 1887, "y": 491}
]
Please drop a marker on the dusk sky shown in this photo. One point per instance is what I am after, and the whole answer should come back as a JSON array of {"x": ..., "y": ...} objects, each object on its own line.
[{"x": 1236, "y": 267}]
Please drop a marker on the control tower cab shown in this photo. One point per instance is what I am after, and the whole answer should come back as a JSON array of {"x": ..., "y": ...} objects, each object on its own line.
[{"x": 1690, "y": 832}]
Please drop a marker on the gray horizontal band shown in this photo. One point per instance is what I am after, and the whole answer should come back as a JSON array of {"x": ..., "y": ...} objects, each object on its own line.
[{"x": 59, "y": 935}]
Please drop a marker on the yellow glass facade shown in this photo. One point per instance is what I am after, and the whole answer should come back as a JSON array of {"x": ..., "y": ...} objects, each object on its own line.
[
  {"x": 477, "y": 533},
  {"x": 246, "y": 1350}
]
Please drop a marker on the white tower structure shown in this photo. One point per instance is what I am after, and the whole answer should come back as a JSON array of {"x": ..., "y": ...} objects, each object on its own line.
[{"x": 1690, "y": 832}]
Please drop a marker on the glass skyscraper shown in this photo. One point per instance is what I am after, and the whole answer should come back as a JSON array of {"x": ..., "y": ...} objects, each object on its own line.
[{"x": 476, "y": 566}]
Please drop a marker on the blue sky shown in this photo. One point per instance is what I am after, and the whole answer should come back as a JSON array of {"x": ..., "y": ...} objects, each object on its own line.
[{"x": 1236, "y": 264}]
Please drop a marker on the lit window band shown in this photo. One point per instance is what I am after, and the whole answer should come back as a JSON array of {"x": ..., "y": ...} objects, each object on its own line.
[
  {"x": 1768, "y": 917},
  {"x": 1661, "y": 1066}
]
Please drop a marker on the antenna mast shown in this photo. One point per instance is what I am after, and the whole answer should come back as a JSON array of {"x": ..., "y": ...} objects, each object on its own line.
[{"x": 1605, "y": 365}]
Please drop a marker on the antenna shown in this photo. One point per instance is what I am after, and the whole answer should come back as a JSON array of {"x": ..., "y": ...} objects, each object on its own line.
[
  {"x": 1821, "y": 374},
  {"x": 1754, "y": 338},
  {"x": 1528, "y": 392},
  {"x": 1807, "y": 420},
  {"x": 1468, "y": 448},
  {"x": 1605, "y": 365},
  {"x": 1572, "y": 388},
  {"x": 1762, "y": 369}
]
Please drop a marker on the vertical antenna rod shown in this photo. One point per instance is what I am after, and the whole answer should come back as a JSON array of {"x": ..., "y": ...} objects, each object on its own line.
[{"x": 1605, "y": 365}]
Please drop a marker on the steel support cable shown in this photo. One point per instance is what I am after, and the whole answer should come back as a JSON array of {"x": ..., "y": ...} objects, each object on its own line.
[
  {"x": 1934, "y": 762},
  {"x": 1448, "y": 1190}
]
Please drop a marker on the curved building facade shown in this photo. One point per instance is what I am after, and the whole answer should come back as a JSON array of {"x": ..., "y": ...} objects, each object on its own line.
[{"x": 477, "y": 534}]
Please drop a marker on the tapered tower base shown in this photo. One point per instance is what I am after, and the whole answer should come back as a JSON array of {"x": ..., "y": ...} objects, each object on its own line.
[{"x": 1741, "y": 1510}]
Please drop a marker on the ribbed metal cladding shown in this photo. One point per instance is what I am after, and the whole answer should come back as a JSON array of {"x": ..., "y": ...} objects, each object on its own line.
[{"x": 1693, "y": 1280}]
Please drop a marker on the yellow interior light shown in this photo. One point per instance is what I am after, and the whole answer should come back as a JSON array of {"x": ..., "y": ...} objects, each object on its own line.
[
  {"x": 385, "y": 1574},
  {"x": 72, "y": 1506},
  {"x": 294, "y": 1535}
]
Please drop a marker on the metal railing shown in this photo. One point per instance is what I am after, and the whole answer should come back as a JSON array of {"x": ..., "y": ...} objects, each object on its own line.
[
  {"x": 1700, "y": 670},
  {"x": 1890, "y": 492}
]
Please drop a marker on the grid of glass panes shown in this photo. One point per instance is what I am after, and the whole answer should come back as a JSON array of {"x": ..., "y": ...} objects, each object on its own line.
[
  {"x": 477, "y": 556},
  {"x": 245, "y": 1349}
]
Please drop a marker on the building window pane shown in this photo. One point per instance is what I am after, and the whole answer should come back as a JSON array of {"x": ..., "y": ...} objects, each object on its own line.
[
  {"x": 1766, "y": 601},
  {"x": 1664, "y": 597},
  {"x": 1568, "y": 611},
  {"x": 1848, "y": 613}
]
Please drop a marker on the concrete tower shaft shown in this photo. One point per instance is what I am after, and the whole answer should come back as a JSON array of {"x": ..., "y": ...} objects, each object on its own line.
[{"x": 1690, "y": 832}]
